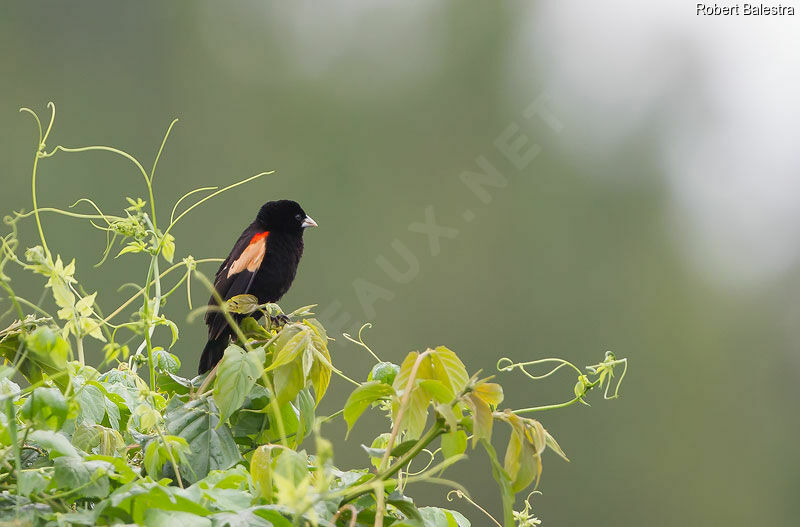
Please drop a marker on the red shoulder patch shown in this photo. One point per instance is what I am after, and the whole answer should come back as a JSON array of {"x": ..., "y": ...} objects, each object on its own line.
[{"x": 258, "y": 237}]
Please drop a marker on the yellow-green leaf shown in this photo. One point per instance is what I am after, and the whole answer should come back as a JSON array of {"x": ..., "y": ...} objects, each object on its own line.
[
  {"x": 490, "y": 392},
  {"x": 361, "y": 398},
  {"x": 261, "y": 471},
  {"x": 454, "y": 443}
]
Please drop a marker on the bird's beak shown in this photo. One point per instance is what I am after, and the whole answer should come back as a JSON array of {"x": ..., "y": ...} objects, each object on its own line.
[{"x": 308, "y": 222}]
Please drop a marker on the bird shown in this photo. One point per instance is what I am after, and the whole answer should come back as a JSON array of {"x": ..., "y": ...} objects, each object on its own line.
[{"x": 263, "y": 263}]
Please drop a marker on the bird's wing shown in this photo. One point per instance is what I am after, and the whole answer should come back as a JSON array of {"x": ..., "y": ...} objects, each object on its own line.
[{"x": 235, "y": 275}]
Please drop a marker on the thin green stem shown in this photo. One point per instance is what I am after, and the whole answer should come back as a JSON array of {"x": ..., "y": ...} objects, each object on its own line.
[
  {"x": 558, "y": 405},
  {"x": 36, "y": 156}
]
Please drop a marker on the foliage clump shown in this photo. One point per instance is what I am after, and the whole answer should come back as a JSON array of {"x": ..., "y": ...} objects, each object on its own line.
[{"x": 131, "y": 441}]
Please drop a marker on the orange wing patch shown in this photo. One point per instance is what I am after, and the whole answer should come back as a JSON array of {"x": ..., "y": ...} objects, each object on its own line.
[{"x": 251, "y": 257}]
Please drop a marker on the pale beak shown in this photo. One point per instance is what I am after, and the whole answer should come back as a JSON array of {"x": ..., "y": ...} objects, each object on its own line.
[{"x": 308, "y": 222}]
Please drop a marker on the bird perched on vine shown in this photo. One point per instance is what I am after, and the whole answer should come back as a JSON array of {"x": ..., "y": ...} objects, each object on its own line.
[{"x": 263, "y": 263}]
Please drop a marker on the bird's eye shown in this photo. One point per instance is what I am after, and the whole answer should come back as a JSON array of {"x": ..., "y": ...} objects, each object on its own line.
[{"x": 299, "y": 217}]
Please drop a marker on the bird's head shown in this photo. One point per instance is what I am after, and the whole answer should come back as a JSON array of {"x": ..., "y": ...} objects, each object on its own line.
[{"x": 284, "y": 216}]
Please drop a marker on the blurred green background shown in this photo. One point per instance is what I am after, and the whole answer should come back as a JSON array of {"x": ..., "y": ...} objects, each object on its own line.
[{"x": 661, "y": 222}]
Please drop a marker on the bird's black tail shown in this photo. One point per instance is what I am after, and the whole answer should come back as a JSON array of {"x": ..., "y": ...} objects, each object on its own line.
[{"x": 213, "y": 352}]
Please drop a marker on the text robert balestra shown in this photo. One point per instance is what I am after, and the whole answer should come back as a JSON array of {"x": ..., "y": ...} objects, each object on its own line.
[{"x": 744, "y": 9}]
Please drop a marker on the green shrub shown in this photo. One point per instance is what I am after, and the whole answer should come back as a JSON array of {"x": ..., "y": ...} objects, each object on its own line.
[{"x": 86, "y": 446}]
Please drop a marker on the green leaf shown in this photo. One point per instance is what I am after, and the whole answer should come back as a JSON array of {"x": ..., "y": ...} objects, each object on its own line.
[
  {"x": 168, "y": 247},
  {"x": 454, "y": 443},
  {"x": 491, "y": 393},
  {"x": 88, "y": 478},
  {"x": 437, "y": 390},
  {"x": 449, "y": 369},
  {"x": 252, "y": 329},
  {"x": 92, "y": 404},
  {"x": 521, "y": 461},
  {"x": 242, "y": 304},
  {"x": 261, "y": 471},
  {"x": 45, "y": 408},
  {"x": 132, "y": 247},
  {"x": 321, "y": 373},
  {"x": 305, "y": 406},
  {"x": 47, "y": 352},
  {"x": 362, "y": 397},
  {"x": 237, "y": 373},
  {"x": 482, "y": 419},
  {"x": 554, "y": 446},
  {"x": 211, "y": 444},
  {"x": 436, "y": 517},
  {"x": 55, "y": 442},
  {"x": 291, "y": 467},
  {"x": 31, "y": 481},
  {"x": 288, "y": 381},
  {"x": 416, "y": 414},
  {"x": 86, "y": 437},
  {"x": 175, "y": 384},
  {"x": 162, "y": 518},
  {"x": 292, "y": 341}
]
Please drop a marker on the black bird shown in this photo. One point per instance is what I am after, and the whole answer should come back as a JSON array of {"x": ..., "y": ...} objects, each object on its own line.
[{"x": 263, "y": 263}]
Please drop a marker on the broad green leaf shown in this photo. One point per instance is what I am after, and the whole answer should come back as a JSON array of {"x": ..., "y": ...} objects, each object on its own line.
[
  {"x": 111, "y": 441},
  {"x": 449, "y": 369},
  {"x": 32, "y": 481},
  {"x": 237, "y": 373},
  {"x": 437, "y": 390},
  {"x": 243, "y": 518},
  {"x": 136, "y": 498},
  {"x": 436, "y": 517},
  {"x": 521, "y": 462},
  {"x": 165, "y": 361},
  {"x": 290, "y": 347},
  {"x": 273, "y": 516},
  {"x": 91, "y": 477},
  {"x": 423, "y": 372},
  {"x": 362, "y": 397},
  {"x": 454, "y": 443},
  {"x": 45, "y": 408},
  {"x": 291, "y": 422},
  {"x": 211, "y": 444},
  {"x": 162, "y": 518},
  {"x": 288, "y": 381},
  {"x": 416, "y": 414},
  {"x": 47, "y": 352},
  {"x": 92, "y": 403},
  {"x": 86, "y": 437},
  {"x": 261, "y": 471},
  {"x": 56, "y": 443},
  {"x": 123, "y": 472}
]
